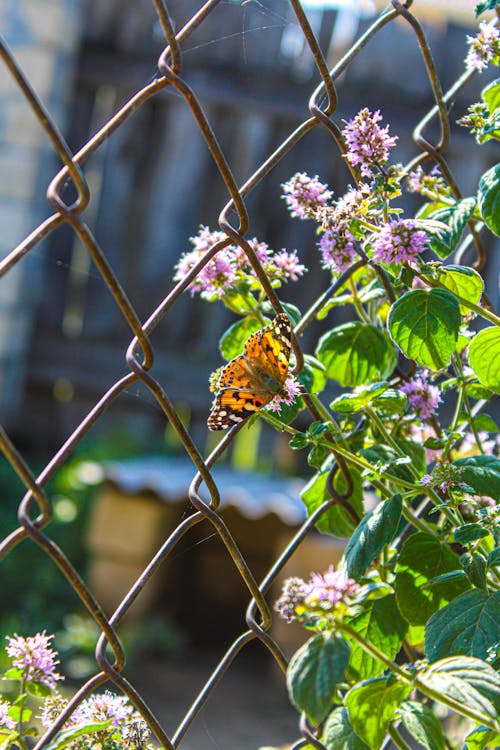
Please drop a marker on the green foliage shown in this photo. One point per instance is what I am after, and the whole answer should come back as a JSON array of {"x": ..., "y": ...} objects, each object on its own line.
[
  {"x": 376, "y": 530},
  {"x": 372, "y": 704},
  {"x": 468, "y": 625},
  {"x": 425, "y": 324},
  {"x": 422, "y": 725},
  {"x": 455, "y": 219},
  {"x": 489, "y": 199},
  {"x": 381, "y": 624},
  {"x": 484, "y": 357},
  {"x": 418, "y": 594},
  {"x": 355, "y": 353},
  {"x": 315, "y": 673},
  {"x": 336, "y": 520},
  {"x": 482, "y": 473}
]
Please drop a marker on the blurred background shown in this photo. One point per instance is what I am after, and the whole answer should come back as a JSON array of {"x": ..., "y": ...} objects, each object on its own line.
[{"x": 62, "y": 340}]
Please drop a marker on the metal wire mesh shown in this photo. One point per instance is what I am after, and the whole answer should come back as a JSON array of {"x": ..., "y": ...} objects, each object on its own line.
[{"x": 35, "y": 511}]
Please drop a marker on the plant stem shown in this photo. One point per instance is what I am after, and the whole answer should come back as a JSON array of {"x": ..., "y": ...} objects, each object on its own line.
[
  {"x": 397, "y": 739},
  {"x": 357, "y": 303},
  {"x": 417, "y": 683}
]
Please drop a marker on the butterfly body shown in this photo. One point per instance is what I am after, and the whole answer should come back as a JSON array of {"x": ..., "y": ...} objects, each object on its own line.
[{"x": 252, "y": 379}]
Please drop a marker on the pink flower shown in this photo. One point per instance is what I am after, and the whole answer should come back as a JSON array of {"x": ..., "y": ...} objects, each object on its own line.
[
  {"x": 293, "y": 594},
  {"x": 288, "y": 266},
  {"x": 368, "y": 143},
  {"x": 483, "y": 48},
  {"x": 5, "y": 720},
  {"x": 333, "y": 587},
  {"x": 338, "y": 250},
  {"x": 103, "y": 707},
  {"x": 423, "y": 397},
  {"x": 398, "y": 241},
  {"x": 304, "y": 195},
  {"x": 292, "y": 388},
  {"x": 35, "y": 658}
]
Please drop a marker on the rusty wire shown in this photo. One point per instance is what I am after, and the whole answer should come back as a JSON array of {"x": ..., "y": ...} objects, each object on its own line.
[{"x": 139, "y": 356}]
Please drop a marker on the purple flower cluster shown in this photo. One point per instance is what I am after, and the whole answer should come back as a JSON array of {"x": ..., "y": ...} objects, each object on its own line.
[
  {"x": 399, "y": 241},
  {"x": 300, "y": 599},
  {"x": 338, "y": 250},
  {"x": 444, "y": 476},
  {"x": 368, "y": 144},
  {"x": 304, "y": 195},
  {"x": 423, "y": 397},
  {"x": 35, "y": 658},
  {"x": 484, "y": 48},
  {"x": 331, "y": 587},
  {"x": 292, "y": 388},
  {"x": 5, "y": 720},
  {"x": 231, "y": 264},
  {"x": 418, "y": 181}
]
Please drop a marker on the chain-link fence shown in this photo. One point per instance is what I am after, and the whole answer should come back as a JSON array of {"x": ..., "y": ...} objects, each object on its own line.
[{"x": 68, "y": 195}]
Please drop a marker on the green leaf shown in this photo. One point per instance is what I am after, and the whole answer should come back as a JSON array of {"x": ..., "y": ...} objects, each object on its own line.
[
  {"x": 335, "y": 520},
  {"x": 391, "y": 402},
  {"x": 482, "y": 473},
  {"x": 233, "y": 340},
  {"x": 425, "y": 325},
  {"x": 464, "y": 282},
  {"x": 422, "y": 725},
  {"x": 313, "y": 375},
  {"x": 484, "y": 357},
  {"x": 349, "y": 403},
  {"x": 39, "y": 689},
  {"x": 63, "y": 739},
  {"x": 385, "y": 460},
  {"x": 474, "y": 564},
  {"x": 468, "y": 625},
  {"x": 476, "y": 673},
  {"x": 338, "y": 733},
  {"x": 489, "y": 199},
  {"x": 422, "y": 558},
  {"x": 14, "y": 673},
  {"x": 377, "y": 529},
  {"x": 494, "y": 558},
  {"x": 470, "y": 532},
  {"x": 356, "y": 353},
  {"x": 486, "y": 5},
  {"x": 371, "y": 706},
  {"x": 481, "y": 738},
  {"x": 459, "y": 689},
  {"x": 381, "y": 625},
  {"x": 491, "y": 96},
  {"x": 455, "y": 218},
  {"x": 315, "y": 672}
]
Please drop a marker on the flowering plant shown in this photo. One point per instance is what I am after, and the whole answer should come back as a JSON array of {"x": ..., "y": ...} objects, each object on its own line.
[
  {"x": 102, "y": 721},
  {"x": 409, "y": 620}
]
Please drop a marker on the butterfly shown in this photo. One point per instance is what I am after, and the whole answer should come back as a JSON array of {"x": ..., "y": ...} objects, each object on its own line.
[{"x": 251, "y": 380}]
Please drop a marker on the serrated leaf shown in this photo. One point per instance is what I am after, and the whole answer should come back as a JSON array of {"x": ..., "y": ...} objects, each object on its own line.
[
  {"x": 391, "y": 402},
  {"x": 233, "y": 340},
  {"x": 313, "y": 375},
  {"x": 349, "y": 403},
  {"x": 338, "y": 733},
  {"x": 481, "y": 473},
  {"x": 455, "y": 218},
  {"x": 470, "y": 532},
  {"x": 371, "y": 706},
  {"x": 491, "y": 96},
  {"x": 460, "y": 690},
  {"x": 468, "y": 625},
  {"x": 39, "y": 689},
  {"x": 315, "y": 672},
  {"x": 425, "y": 325},
  {"x": 335, "y": 520},
  {"x": 63, "y": 739},
  {"x": 376, "y": 529},
  {"x": 385, "y": 460},
  {"x": 484, "y": 357},
  {"x": 422, "y": 558},
  {"x": 356, "y": 353},
  {"x": 481, "y": 738},
  {"x": 474, "y": 564},
  {"x": 486, "y": 5},
  {"x": 494, "y": 557},
  {"x": 463, "y": 281},
  {"x": 422, "y": 725},
  {"x": 382, "y": 625},
  {"x": 489, "y": 199},
  {"x": 475, "y": 672}
]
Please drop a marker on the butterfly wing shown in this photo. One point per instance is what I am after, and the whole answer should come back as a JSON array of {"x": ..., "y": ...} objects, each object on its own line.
[
  {"x": 269, "y": 349},
  {"x": 251, "y": 380}
]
